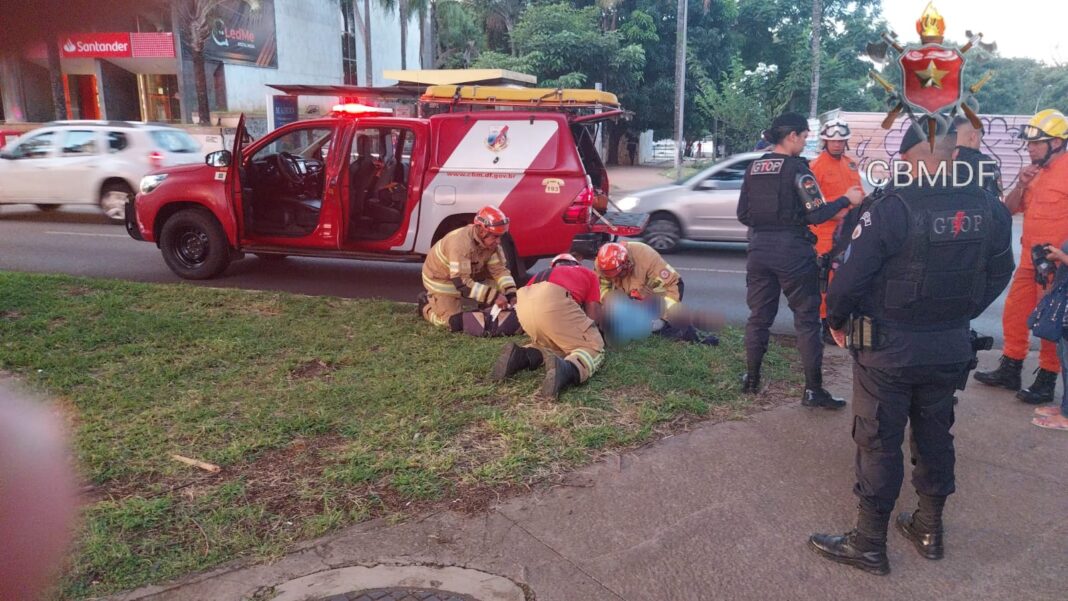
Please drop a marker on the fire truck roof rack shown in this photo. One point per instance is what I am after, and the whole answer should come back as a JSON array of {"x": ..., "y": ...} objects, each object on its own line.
[{"x": 528, "y": 98}]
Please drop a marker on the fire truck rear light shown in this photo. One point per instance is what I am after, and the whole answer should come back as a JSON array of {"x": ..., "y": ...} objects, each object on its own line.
[
  {"x": 579, "y": 210},
  {"x": 155, "y": 159}
]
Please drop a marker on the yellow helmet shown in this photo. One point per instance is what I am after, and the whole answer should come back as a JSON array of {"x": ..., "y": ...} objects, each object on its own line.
[{"x": 1045, "y": 125}]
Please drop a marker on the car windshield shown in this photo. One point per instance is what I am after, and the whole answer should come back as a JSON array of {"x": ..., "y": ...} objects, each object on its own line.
[{"x": 173, "y": 140}]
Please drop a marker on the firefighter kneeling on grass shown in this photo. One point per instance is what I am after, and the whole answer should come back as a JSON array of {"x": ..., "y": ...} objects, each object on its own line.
[
  {"x": 467, "y": 267},
  {"x": 559, "y": 309}
]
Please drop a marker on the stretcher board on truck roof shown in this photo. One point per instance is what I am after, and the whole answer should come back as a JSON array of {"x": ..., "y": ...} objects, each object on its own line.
[{"x": 519, "y": 97}]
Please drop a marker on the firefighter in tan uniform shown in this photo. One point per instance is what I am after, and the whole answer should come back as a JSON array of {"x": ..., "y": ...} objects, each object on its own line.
[
  {"x": 559, "y": 309},
  {"x": 467, "y": 266},
  {"x": 637, "y": 270}
]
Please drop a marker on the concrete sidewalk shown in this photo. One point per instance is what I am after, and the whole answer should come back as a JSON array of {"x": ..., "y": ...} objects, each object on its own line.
[
  {"x": 724, "y": 512},
  {"x": 625, "y": 179}
]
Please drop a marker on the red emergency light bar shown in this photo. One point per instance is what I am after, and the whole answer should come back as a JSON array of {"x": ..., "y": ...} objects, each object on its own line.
[{"x": 353, "y": 108}]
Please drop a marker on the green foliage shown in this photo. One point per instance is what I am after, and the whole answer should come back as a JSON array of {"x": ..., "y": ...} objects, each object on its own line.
[
  {"x": 745, "y": 101},
  {"x": 565, "y": 46},
  {"x": 458, "y": 33}
]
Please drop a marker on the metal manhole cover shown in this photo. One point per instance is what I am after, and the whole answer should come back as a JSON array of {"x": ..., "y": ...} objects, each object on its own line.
[{"x": 399, "y": 594}]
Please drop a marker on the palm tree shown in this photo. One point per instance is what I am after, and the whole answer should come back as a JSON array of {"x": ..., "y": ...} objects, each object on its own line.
[
  {"x": 362, "y": 19},
  {"x": 365, "y": 30},
  {"x": 196, "y": 21},
  {"x": 424, "y": 9},
  {"x": 55, "y": 76}
]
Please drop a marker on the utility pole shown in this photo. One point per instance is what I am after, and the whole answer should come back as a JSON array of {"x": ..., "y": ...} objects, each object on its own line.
[
  {"x": 817, "y": 21},
  {"x": 680, "y": 86}
]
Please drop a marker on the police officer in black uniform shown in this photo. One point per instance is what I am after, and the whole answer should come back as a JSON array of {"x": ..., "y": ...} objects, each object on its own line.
[
  {"x": 779, "y": 199},
  {"x": 923, "y": 260},
  {"x": 971, "y": 163}
]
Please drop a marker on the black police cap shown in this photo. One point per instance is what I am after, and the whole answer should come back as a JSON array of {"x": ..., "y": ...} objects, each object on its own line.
[
  {"x": 913, "y": 137},
  {"x": 793, "y": 121}
]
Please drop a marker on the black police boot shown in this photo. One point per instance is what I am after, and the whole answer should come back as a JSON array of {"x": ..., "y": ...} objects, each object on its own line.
[
  {"x": 514, "y": 359},
  {"x": 864, "y": 547},
  {"x": 825, "y": 330},
  {"x": 923, "y": 528},
  {"x": 1007, "y": 375},
  {"x": 559, "y": 374},
  {"x": 1041, "y": 391},
  {"x": 751, "y": 383},
  {"x": 821, "y": 398}
]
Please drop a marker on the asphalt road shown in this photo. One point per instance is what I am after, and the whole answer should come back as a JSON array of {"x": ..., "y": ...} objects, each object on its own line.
[{"x": 79, "y": 241}]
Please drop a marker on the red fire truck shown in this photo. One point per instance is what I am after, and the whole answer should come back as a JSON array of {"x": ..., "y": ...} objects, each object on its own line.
[{"x": 364, "y": 184}]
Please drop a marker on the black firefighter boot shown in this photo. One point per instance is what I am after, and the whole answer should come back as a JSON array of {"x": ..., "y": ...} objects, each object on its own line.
[
  {"x": 1007, "y": 375},
  {"x": 514, "y": 359},
  {"x": 923, "y": 527},
  {"x": 1041, "y": 391},
  {"x": 559, "y": 374},
  {"x": 864, "y": 547}
]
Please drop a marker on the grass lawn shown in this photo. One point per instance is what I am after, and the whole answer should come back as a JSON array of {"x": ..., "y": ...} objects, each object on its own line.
[{"x": 321, "y": 412}]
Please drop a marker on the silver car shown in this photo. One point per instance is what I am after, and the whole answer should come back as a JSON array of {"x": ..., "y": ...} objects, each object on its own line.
[{"x": 703, "y": 207}]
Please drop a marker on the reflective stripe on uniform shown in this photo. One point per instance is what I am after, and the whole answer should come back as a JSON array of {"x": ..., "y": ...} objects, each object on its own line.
[
  {"x": 669, "y": 302},
  {"x": 480, "y": 292},
  {"x": 590, "y": 362},
  {"x": 439, "y": 287},
  {"x": 505, "y": 282}
]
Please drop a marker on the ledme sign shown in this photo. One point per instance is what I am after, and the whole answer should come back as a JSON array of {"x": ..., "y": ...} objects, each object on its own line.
[{"x": 243, "y": 32}]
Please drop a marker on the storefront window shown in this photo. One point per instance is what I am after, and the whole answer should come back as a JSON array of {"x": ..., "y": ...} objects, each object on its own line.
[{"x": 159, "y": 98}]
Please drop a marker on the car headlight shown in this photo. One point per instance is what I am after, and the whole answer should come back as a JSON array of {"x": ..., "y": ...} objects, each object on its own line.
[
  {"x": 151, "y": 182},
  {"x": 627, "y": 203}
]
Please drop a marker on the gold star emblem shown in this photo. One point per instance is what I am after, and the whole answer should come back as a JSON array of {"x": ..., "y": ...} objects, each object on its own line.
[{"x": 931, "y": 77}]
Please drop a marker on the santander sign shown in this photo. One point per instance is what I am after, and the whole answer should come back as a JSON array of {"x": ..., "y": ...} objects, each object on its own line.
[{"x": 97, "y": 45}]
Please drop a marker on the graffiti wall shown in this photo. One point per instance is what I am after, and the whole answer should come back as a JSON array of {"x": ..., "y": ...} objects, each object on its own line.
[{"x": 871, "y": 142}]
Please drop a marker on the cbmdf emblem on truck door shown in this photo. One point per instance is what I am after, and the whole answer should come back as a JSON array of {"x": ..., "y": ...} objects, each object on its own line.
[{"x": 498, "y": 138}]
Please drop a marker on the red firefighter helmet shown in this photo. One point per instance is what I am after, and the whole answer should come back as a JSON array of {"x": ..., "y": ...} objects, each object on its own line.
[
  {"x": 612, "y": 259},
  {"x": 492, "y": 220}
]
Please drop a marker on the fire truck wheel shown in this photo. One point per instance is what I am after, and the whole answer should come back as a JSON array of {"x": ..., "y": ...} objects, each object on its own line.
[
  {"x": 516, "y": 266},
  {"x": 47, "y": 208},
  {"x": 194, "y": 245}
]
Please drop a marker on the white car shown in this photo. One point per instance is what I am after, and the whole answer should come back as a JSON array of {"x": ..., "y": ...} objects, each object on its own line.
[{"x": 89, "y": 162}]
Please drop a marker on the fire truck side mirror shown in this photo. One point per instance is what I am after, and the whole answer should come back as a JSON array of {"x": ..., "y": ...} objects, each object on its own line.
[{"x": 219, "y": 158}]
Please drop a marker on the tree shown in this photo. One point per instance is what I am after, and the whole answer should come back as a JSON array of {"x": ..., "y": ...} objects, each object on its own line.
[
  {"x": 402, "y": 9},
  {"x": 745, "y": 101},
  {"x": 55, "y": 76},
  {"x": 458, "y": 36},
  {"x": 565, "y": 47},
  {"x": 365, "y": 32},
  {"x": 196, "y": 21},
  {"x": 500, "y": 18}
]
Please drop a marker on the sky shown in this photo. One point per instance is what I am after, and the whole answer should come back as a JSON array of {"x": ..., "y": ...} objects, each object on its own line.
[{"x": 1021, "y": 28}]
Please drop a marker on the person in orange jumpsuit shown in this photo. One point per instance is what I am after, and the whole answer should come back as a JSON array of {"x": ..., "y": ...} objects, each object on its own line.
[
  {"x": 836, "y": 172},
  {"x": 1041, "y": 194}
]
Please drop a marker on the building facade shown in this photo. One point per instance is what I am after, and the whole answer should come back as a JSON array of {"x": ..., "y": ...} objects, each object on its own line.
[{"x": 139, "y": 67}]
